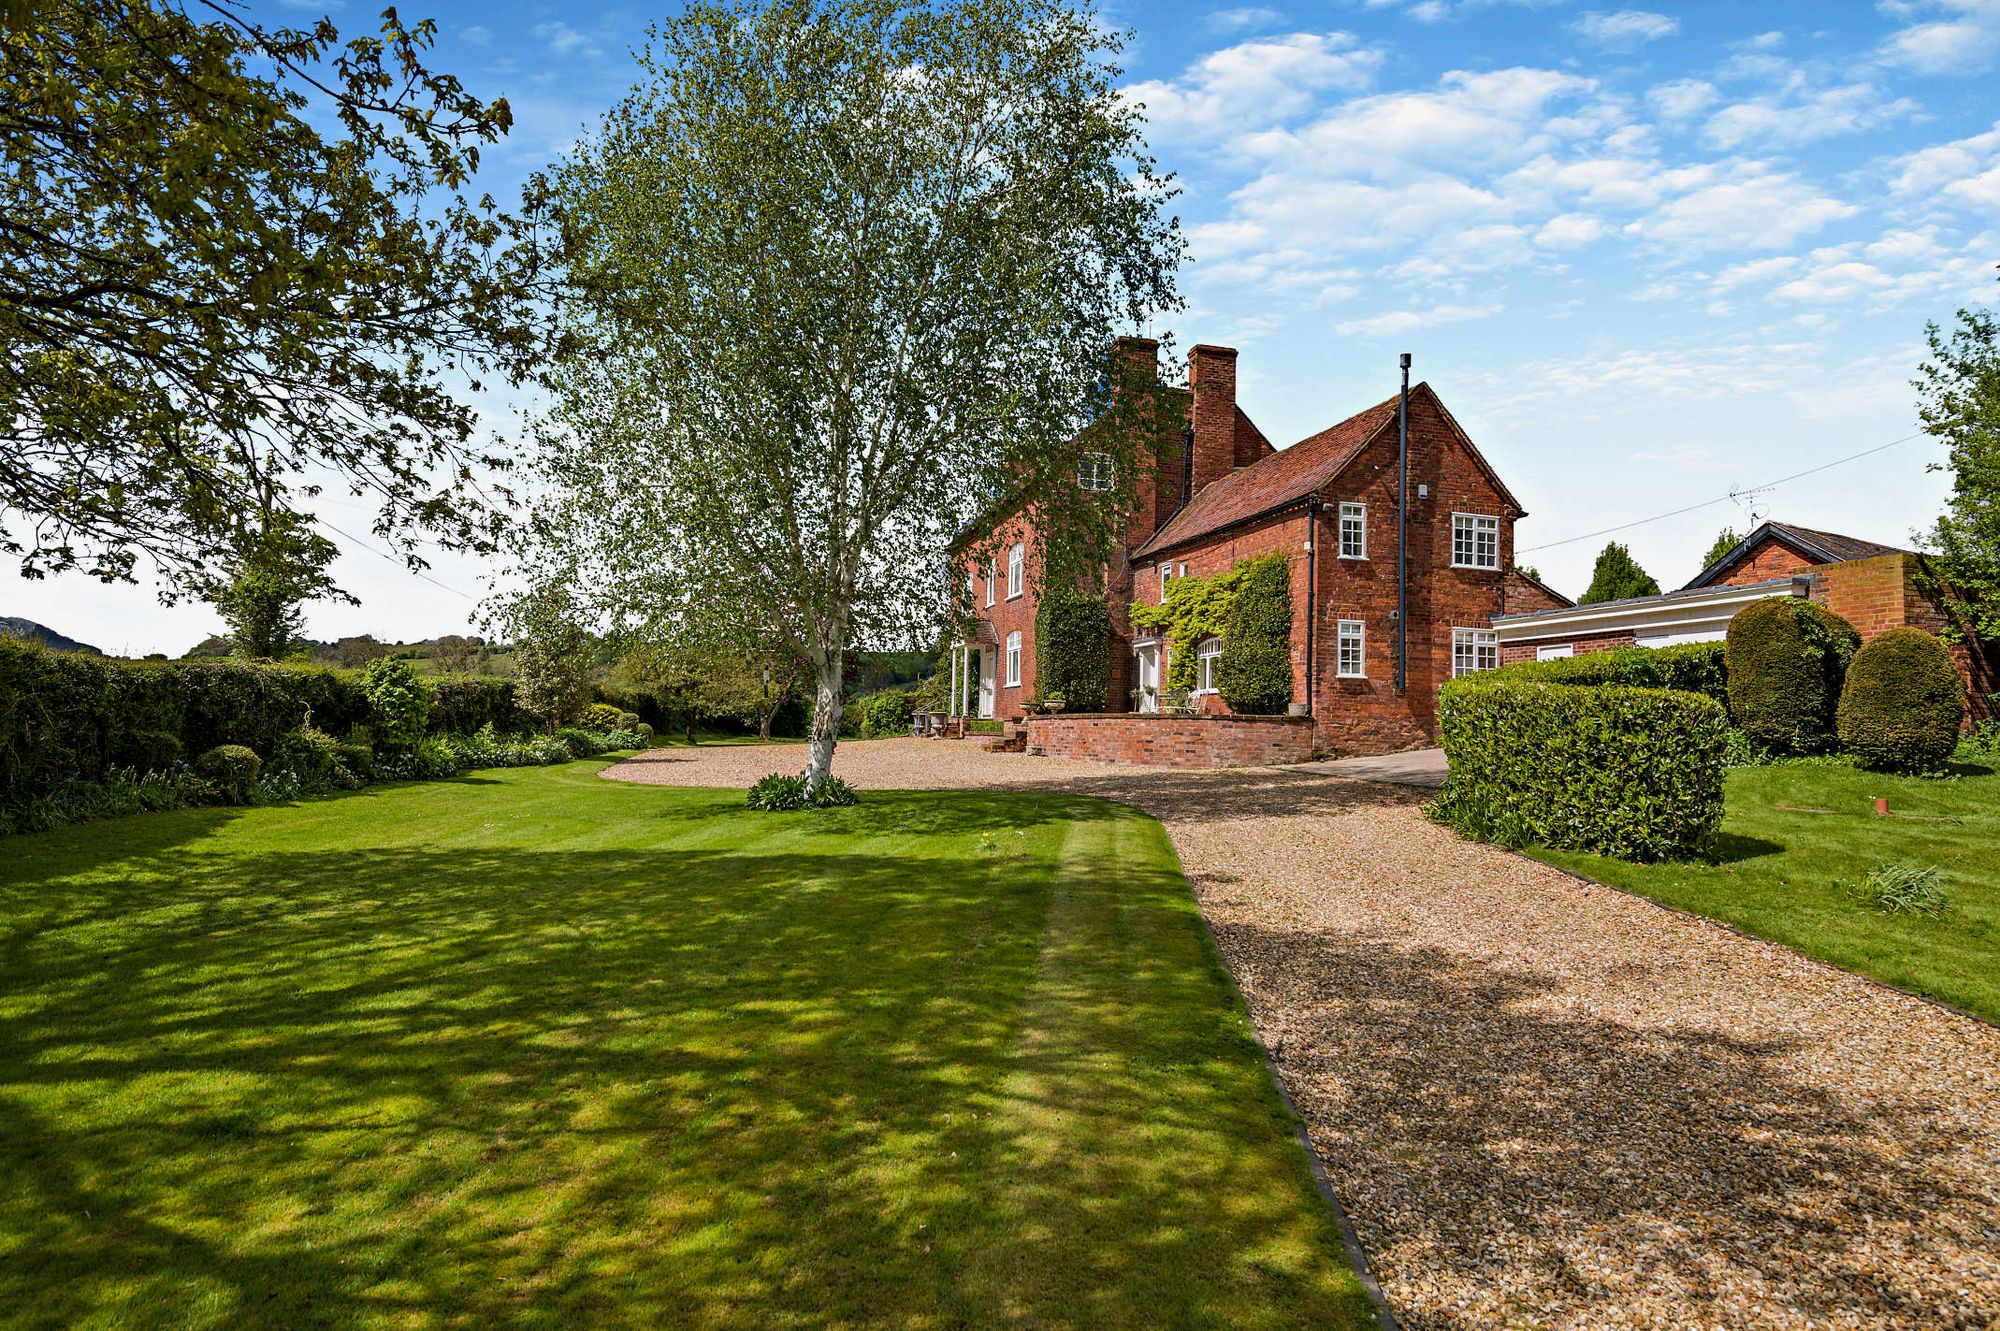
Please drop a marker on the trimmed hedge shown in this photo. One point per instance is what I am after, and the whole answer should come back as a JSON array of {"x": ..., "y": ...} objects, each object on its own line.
[
  {"x": 883, "y": 713},
  {"x": 1904, "y": 700},
  {"x": 1073, "y": 650},
  {"x": 1692, "y": 667},
  {"x": 1257, "y": 642},
  {"x": 1631, "y": 772},
  {"x": 1786, "y": 658}
]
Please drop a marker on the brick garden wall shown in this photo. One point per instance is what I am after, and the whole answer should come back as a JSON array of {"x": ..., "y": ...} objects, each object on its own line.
[
  {"x": 1174, "y": 741},
  {"x": 1885, "y": 593}
]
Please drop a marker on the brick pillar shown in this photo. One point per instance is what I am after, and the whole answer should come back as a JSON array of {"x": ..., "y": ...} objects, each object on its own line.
[{"x": 1212, "y": 376}]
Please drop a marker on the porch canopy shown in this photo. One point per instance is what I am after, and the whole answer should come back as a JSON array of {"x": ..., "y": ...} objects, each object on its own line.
[{"x": 967, "y": 651}]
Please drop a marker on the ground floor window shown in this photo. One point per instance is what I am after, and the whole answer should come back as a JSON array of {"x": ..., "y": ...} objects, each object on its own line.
[
  {"x": 1208, "y": 666},
  {"x": 1351, "y": 637},
  {"x": 1558, "y": 652},
  {"x": 1473, "y": 650},
  {"x": 1014, "y": 658}
]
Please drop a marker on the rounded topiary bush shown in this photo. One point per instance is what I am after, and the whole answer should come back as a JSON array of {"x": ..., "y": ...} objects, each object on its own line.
[
  {"x": 1786, "y": 658},
  {"x": 232, "y": 770},
  {"x": 1257, "y": 642},
  {"x": 1903, "y": 702}
]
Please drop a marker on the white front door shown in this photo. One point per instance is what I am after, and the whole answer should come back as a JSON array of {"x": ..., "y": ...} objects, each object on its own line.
[
  {"x": 986, "y": 664},
  {"x": 1149, "y": 676}
]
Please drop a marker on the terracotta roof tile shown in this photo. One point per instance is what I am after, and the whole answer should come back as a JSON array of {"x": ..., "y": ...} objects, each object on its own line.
[{"x": 1282, "y": 477}]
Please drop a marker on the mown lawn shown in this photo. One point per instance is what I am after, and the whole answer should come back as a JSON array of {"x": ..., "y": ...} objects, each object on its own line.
[
  {"x": 1794, "y": 835},
  {"x": 533, "y": 1048}
]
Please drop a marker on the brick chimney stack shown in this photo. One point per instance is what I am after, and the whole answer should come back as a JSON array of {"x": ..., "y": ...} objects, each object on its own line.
[
  {"x": 1212, "y": 375},
  {"x": 1138, "y": 358}
]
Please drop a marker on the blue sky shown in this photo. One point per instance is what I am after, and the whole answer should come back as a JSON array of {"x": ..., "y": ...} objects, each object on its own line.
[{"x": 1648, "y": 256}]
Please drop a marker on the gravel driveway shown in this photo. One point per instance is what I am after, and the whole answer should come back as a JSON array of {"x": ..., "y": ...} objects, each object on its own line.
[{"x": 1547, "y": 1103}]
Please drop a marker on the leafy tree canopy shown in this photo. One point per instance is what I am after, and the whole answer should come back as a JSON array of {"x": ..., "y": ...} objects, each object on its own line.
[
  {"x": 1959, "y": 402},
  {"x": 1617, "y": 577},
  {"x": 1725, "y": 540},
  {"x": 235, "y": 265},
  {"x": 844, "y": 279}
]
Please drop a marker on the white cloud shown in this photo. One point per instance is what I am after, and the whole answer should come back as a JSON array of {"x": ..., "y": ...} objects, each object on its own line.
[
  {"x": 1250, "y": 18},
  {"x": 1954, "y": 36},
  {"x": 1570, "y": 230},
  {"x": 1626, "y": 30},
  {"x": 1254, "y": 84},
  {"x": 1409, "y": 321},
  {"x": 1795, "y": 115},
  {"x": 477, "y": 35},
  {"x": 1682, "y": 99},
  {"x": 1750, "y": 209},
  {"x": 1965, "y": 171},
  {"x": 561, "y": 39}
]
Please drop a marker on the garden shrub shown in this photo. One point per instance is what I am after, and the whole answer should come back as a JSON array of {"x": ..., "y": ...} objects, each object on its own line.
[
  {"x": 1786, "y": 658},
  {"x": 1073, "y": 649},
  {"x": 1903, "y": 703},
  {"x": 148, "y": 751},
  {"x": 460, "y": 705},
  {"x": 1902, "y": 889},
  {"x": 398, "y": 702},
  {"x": 1613, "y": 770},
  {"x": 886, "y": 712},
  {"x": 314, "y": 758},
  {"x": 779, "y": 793},
  {"x": 232, "y": 770},
  {"x": 645, "y": 734},
  {"x": 600, "y": 716},
  {"x": 1257, "y": 639}
]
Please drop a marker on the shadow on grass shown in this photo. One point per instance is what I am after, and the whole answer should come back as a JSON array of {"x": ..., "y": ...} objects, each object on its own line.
[
  {"x": 1668, "y": 1158},
  {"x": 751, "y": 1086},
  {"x": 1734, "y": 848}
]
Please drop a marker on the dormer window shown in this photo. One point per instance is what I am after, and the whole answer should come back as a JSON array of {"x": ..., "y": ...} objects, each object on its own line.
[{"x": 1096, "y": 471}]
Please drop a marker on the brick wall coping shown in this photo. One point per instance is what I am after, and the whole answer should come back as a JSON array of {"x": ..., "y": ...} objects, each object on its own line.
[{"x": 1235, "y": 718}]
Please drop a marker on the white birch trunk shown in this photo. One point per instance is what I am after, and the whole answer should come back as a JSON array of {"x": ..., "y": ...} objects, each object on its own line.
[{"x": 826, "y": 720}]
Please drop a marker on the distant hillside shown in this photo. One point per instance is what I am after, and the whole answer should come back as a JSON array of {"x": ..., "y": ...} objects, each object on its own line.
[{"x": 14, "y": 627}]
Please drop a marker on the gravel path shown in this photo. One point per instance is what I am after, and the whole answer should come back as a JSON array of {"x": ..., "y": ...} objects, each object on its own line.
[{"x": 1548, "y": 1104}]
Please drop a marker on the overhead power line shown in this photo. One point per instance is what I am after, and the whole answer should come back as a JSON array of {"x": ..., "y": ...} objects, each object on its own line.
[
  {"x": 1722, "y": 499},
  {"x": 374, "y": 550}
]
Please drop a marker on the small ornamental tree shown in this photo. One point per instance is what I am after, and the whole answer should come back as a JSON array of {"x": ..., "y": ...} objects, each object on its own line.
[
  {"x": 1786, "y": 659},
  {"x": 1073, "y": 649},
  {"x": 1902, "y": 704},
  {"x": 1618, "y": 577},
  {"x": 398, "y": 701},
  {"x": 1725, "y": 540},
  {"x": 553, "y": 656},
  {"x": 1959, "y": 403},
  {"x": 1257, "y": 638}
]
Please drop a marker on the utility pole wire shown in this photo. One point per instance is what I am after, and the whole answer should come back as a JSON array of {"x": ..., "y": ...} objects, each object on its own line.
[
  {"x": 394, "y": 560},
  {"x": 1719, "y": 499}
]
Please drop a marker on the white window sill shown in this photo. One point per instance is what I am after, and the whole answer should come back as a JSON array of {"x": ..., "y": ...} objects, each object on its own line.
[
  {"x": 1355, "y": 559},
  {"x": 1479, "y": 568},
  {"x": 1344, "y": 675}
]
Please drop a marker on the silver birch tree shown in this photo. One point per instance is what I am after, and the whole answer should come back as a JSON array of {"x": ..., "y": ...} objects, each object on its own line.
[{"x": 843, "y": 278}]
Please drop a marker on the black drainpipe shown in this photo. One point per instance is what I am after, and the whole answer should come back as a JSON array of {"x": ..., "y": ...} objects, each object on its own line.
[
  {"x": 1403, "y": 531},
  {"x": 1312, "y": 592}
]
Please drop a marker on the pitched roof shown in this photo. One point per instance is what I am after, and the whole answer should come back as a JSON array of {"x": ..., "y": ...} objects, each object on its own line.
[
  {"x": 1290, "y": 474},
  {"x": 1825, "y": 547}
]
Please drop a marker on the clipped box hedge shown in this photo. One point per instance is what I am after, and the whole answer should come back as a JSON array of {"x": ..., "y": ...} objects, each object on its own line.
[
  {"x": 1613, "y": 770},
  {"x": 1695, "y": 667}
]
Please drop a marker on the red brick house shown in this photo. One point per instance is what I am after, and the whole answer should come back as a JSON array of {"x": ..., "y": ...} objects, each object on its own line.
[
  {"x": 1328, "y": 505},
  {"x": 1872, "y": 586}
]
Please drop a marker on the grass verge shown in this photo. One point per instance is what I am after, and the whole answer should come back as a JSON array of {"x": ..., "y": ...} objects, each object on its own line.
[
  {"x": 1796, "y": 836},
  {"x": 528, "y": 1047}
]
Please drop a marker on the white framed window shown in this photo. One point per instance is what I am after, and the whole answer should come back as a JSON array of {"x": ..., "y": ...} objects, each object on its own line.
[
  {"x": 1473, "y": 650},
  {"x": 1183, "y": 570},
  {"x": 1354, "y": 531},
  {"x": 1558, "y": 652},
  {"x": 1351, "y": 656},
  {"x": 1014, "y": 659},
  {"x": 1094, "y": 471},
  {"x": 1017, "y": 560},
  {"x": 992, "y": 578},
  {"x": 1208, "y": 666},
  {"x": 1475, "y": 541},
  {"x": 1166, "y": 572}
]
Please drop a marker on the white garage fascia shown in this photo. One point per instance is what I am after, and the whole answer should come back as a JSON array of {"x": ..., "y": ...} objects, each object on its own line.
[{"x": 1708, "y": 610}]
